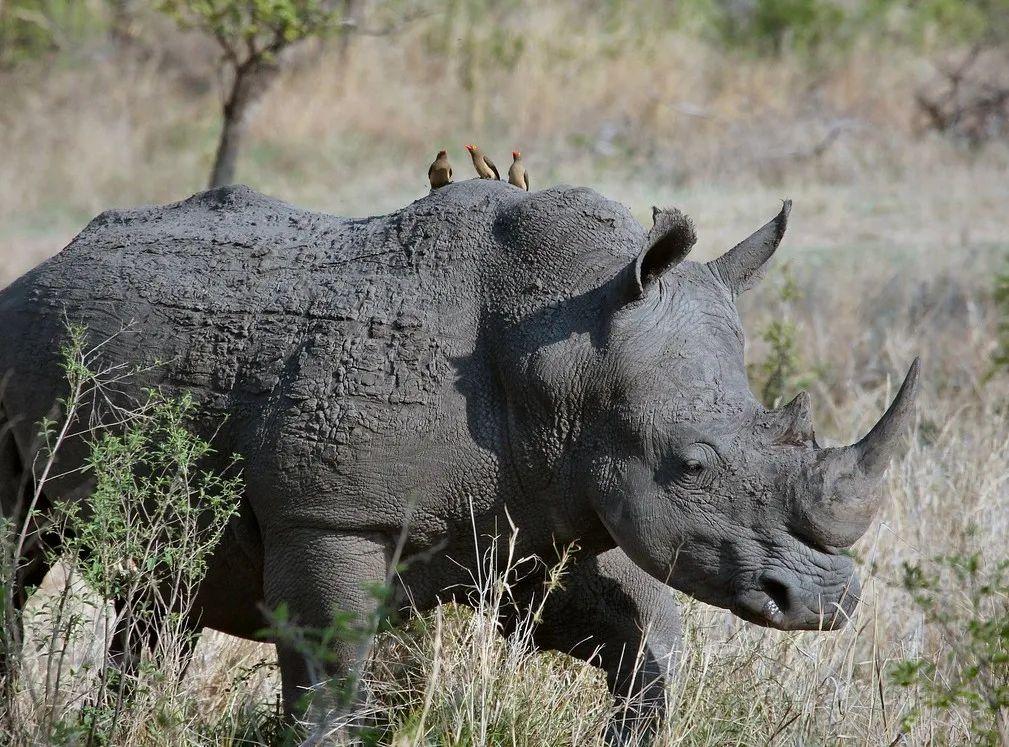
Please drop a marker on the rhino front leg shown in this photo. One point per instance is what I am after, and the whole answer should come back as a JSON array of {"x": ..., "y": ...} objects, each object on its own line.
[
  {"x": 327, "y": 582},
  {"x": 612, "y": 614}
]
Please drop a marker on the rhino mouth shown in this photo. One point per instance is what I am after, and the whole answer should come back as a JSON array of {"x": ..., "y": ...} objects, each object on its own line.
[
  {"x": 782, "y": 601},
  {"x": 777, "y": 603}
]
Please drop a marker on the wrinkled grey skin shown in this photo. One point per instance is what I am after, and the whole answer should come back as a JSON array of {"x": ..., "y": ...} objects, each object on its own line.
[{"x": 483, "y": 356}]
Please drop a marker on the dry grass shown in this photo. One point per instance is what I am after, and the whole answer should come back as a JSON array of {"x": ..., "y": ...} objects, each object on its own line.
[{"x": 894, "y": 239}]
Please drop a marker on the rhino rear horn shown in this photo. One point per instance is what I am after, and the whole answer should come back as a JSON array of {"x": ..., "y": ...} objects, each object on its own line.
[
  {"x": 795, "y": 420},
  {"x": 743, "y": 265},
  {"x": 669, "y": 242}
]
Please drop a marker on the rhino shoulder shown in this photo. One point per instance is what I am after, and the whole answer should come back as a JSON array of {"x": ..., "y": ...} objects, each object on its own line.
[{"x": 570, "y": 223}]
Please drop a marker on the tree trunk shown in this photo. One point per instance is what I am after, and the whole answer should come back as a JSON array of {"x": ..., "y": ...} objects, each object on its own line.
[
  {"x": 232, "y": 134},
  {"x": 252, "y": 79},
  {"x": 351, "y": 17}
]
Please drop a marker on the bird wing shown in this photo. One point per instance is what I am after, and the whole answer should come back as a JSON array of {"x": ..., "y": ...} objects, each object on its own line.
[
  {"x": 449, "y": 172},
  {"x": 430, "y": 169},
  {"x": 525, "y": 178},
  {"x": 492, "y": 167}
]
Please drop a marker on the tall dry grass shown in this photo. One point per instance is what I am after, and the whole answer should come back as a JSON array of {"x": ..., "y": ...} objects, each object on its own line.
[{"x": 893, "y": 242}]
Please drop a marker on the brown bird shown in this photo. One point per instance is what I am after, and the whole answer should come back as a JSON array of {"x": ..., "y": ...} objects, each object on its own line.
[
  {"x": 517, "y": 174},
  {"x": 485, "y": 167},
  {"x": 440, "y": 171}
]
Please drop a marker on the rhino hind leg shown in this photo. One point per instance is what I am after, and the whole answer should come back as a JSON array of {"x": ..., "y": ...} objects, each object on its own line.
[
  {"x": 33, "y": 561},
  {"x": 613, "y": 615},
  {"x": 328, "y": 582}
]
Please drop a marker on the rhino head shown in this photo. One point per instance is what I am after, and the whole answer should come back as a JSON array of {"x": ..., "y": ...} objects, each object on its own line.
[{"x": 698, "y": 483}]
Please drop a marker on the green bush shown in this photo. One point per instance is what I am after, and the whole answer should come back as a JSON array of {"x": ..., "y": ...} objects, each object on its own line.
[
  {"x": 782, "y": 372},
  {"x": 1001, "y": 296},
  {"x": 830, "y": 27},
  {"x": 152, "y": 508},
  {"x": 31, "y": 28},
  {"x": 774, "y": 26},
  {"x": 138, "y": 544},
  {"x": 966, "y": 601},
  {"x": 956, "y": 21}
]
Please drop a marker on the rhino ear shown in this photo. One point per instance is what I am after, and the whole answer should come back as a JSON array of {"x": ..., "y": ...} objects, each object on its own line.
[
  {"x": 743, "y": 265},
  {"x": 668, "y": 243}
]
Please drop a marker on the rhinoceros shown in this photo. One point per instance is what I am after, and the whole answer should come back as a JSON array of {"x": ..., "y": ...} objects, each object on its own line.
[{"x": 405, "y": 385}]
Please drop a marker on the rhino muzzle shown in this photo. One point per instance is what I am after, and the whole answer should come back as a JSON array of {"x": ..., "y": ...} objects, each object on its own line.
[{"x": 786, "y": 600}]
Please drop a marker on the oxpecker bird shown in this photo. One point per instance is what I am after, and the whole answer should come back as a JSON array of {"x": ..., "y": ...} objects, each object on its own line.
[
  {"x": 440, "y": 171},
  {"x": 517, "y": 174},
  {"x": 485, "y": 167}
]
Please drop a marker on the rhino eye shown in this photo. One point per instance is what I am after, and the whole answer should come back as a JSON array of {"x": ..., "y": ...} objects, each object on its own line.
[
  {"x": 693, "y": 467},
  {"x": 695, "y": 464}
]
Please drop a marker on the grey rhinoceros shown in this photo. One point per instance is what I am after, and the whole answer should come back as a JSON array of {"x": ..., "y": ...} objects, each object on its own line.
[{"x": 482, "y": 357}]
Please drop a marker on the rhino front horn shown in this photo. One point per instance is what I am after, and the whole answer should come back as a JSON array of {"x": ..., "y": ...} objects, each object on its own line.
[
  {"x": 873, "y": 453},
  {"x": 845, "y": 478}
]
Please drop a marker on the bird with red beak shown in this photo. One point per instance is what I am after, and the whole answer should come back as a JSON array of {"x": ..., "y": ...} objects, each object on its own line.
[
  {"x": 517, "y": 174},
  {"x": 485, "y": 167}
]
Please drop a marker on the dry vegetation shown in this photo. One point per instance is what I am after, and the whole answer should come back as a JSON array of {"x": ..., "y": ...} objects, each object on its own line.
[{"x": 894, "y": 241}]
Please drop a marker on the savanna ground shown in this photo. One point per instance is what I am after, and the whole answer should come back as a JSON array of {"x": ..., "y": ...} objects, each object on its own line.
[{"x": 897, "y": 235}]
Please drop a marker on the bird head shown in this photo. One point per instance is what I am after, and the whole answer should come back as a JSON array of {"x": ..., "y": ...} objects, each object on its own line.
[
  {"x": 516, "y": 154},
  {"x": 471, "y": 148},
  {"x": 442, "y": 153}
]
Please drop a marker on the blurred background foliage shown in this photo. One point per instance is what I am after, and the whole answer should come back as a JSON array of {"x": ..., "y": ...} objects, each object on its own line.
[
  {"x": 480, "y": 41},
  {"x": 951, "y": 57},
  {"x": 30, "y": 29}
]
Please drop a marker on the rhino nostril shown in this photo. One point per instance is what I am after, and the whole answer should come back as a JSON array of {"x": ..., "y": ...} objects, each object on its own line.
[{"x": 778, "y": 592}]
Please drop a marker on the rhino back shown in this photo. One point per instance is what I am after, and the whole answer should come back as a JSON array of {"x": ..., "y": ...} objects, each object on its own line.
[
  {"x": 350, "y": 357},
  {"x": 315, "y": 335}
]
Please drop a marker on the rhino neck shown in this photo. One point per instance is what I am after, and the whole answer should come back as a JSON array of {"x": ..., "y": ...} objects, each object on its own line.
[
  {"x": 549, "y": 277},
  {"x": 542, "y": 351}
]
